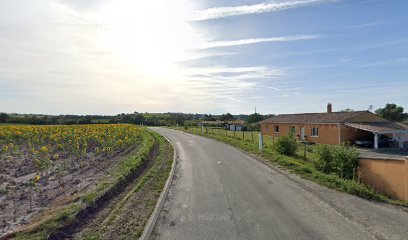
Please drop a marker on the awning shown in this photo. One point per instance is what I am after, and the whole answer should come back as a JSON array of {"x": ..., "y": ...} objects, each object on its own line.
[{"x": 384, "y": 127}]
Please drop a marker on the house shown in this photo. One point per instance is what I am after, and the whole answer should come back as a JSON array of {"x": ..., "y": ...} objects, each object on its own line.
[
  {"x": 236, "y": 125},
  {"x": 335, "y": 127}
]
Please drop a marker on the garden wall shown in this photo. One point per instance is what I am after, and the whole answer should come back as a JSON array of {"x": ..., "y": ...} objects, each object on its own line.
[{"x": 388, "y": 176}]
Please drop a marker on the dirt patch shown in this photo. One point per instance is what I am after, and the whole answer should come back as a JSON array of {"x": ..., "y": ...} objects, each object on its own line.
[
  {"x": 105, "y": 203},
  {"x": 126, "y": 216},
  {"x": 21, "y": 203}
]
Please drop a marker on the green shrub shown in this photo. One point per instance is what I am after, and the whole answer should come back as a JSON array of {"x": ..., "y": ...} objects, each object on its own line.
[
  {"x": 285, "y": 145},
  {"x": 341, "y": 160},
  {"x": 324, "y": 160},
  {"x": 346, "y": 161}
]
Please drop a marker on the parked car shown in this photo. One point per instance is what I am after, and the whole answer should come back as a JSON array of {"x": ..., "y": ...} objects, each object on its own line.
[{"x": 384, "y": 141}]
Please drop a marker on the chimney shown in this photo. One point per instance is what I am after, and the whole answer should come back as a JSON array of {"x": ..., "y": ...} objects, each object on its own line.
[{"x": 329, "y": 108}]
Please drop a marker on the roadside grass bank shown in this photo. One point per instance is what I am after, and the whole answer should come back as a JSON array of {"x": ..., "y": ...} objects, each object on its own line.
[
  {"x": 300, "y": 165},
  {"x": 128, "y": 217},
  {"x": 61, "y": 220}
]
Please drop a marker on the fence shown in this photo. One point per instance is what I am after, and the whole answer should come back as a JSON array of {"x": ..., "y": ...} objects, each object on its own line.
[
  {"x": 387, "y": 176},
  {"x": 247, "y": 135},
  {"x": 305, "y": 150}
]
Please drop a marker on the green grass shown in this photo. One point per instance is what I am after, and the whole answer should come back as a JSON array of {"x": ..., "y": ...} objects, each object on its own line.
[
  {"x": 64, "y": 216},
  {"x": 251, "y": 136},
  {"x": 155, "y": 172},
  {"x": 302, "y": 166}
]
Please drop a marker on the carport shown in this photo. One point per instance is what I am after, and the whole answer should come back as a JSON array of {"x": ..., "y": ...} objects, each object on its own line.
[{"x": 399, "y": 131}]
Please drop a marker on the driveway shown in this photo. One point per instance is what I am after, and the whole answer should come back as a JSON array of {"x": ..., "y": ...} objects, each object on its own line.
[
  {"x": 219, "y": 192},
  {"x": 383, "y": 153}
]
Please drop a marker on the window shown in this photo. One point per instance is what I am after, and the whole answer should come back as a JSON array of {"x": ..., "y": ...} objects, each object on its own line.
[
  {"x": 276, "y": 129},
  {"x": 292, "y": 129},
  {"x": 315, "y": 132}
]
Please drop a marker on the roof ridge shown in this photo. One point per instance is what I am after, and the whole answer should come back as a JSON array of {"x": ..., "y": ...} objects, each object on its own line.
[
  {"x": 322, "y": 117},
  {"x": 362, "y": 111}
]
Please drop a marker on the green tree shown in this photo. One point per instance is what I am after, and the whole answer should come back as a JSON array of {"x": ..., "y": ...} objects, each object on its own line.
[
  {"x": 254, "y": 118},
  {"x": 208, "y": 117},
  {"x": 3, "y": 117},
  {"x": 392, "y": 112},
  {"x": 180, "y": 119},
  {"x": 139, "y": 119},
  {"x": 227, "y": 117}
]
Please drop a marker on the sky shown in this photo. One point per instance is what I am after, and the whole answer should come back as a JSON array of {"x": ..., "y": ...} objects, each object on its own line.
[{"x": 287, "y": 56}]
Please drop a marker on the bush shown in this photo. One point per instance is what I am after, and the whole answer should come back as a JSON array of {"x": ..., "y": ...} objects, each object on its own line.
[
  {"x": 341, "y": 160},
  {"x": 285, "y": 145},
  {"x": 346, "y": 161},
  {"x": 324, "y": 161}
]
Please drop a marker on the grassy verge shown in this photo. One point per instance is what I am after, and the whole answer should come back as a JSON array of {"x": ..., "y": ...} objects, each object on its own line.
[
  {"x": 303, "y": 168},
  {"x": 55, "y": 219},
  {"x": 153, "y": 183}
]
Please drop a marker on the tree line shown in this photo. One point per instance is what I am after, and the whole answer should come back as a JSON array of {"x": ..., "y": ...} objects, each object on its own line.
[
  {"x": 391, "y": 112},
  {"x": 148, "y": 119}
]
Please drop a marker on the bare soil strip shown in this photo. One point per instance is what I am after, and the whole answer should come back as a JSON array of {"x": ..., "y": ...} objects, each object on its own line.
[
  {"x": 51, "y": 194},
  {"x": 107, "y": 202},
  {"x": 43, "y": 168},
  {"x": 120, "y": 211},
  {"x": 126, "y": 215}
]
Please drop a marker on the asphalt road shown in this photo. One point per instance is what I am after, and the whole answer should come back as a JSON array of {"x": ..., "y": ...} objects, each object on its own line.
[{"x": 218, "y": 192}]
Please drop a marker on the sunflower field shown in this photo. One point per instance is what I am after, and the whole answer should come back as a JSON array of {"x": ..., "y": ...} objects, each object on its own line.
[{"x": 39, "y": 163}]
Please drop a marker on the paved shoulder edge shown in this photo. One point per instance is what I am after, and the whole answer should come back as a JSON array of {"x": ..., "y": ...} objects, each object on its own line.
[{"x": 153, "y": 218}]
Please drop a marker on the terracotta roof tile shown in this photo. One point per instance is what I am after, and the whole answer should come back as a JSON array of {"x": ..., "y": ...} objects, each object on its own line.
[{"x": 334, "y": 117}]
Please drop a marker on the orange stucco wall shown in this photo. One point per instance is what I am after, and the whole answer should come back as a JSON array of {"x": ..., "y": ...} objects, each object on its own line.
[
  {"x": 328, "y": 133},
  {"x": 387, "y": 176}
]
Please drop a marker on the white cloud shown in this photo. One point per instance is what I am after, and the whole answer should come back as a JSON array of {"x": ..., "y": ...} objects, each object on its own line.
[
  {"x": 200, "y": 55},
  {"x": 223, "y": 69},
  {"x": 72, "y": 60},
  {"x": 231, "y": 43},
  {"x": 221, "y": 12},
  {"x": 227, "y": 75},
  {"x": 58, "y": 59},
  {"x": 390, "y": 62},
  {"x": 238, "y": 86}
]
